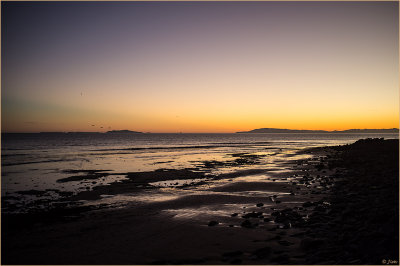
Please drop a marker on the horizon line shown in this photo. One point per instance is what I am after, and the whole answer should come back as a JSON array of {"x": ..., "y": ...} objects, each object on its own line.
[{"x": 179, "y": 132}]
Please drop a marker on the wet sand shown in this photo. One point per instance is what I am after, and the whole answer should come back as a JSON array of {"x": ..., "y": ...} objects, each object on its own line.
[{"x": 339, "y": 207}]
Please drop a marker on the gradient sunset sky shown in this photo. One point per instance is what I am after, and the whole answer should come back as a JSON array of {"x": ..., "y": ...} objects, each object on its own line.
[{"x": 199, "y": 66}]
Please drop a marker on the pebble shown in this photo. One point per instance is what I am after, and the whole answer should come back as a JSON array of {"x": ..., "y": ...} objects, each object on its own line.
[
  {"x": 247, "y": 224},
  {"x": 213, "y": 223}
]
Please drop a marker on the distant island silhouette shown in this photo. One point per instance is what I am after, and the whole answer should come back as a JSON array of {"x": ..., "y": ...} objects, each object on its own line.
[
  {"x": 279, "y": 130},
  {"x": 123, "y": 131}
]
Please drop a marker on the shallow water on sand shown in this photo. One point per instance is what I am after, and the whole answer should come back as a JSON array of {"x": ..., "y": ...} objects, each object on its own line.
[{"x": 34, "y": 163}]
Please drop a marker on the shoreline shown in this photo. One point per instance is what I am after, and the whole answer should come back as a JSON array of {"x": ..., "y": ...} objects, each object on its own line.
[
  {"x": 291, "y": 220},
  {"x": 361, "y": 225}
]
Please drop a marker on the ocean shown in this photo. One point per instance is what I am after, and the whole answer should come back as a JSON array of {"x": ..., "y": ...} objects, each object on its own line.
[{"x": 34, "y": 164}]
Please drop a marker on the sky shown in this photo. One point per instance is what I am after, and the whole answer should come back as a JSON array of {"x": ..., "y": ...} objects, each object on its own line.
[{"x": 199, "y": 66}]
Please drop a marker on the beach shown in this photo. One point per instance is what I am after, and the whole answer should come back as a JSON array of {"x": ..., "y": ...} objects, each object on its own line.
[
  {"x": 337, "y": 205},
  {"x": 200, "y": 133}
]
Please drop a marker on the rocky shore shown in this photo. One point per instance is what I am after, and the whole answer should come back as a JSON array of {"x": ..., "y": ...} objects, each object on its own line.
[
  {"x": 338, "y": 207},
  {"x": 361, "y": 225}
]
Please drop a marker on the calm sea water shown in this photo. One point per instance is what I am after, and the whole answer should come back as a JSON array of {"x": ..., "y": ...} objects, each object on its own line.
[{"x": 37, "y": 161}]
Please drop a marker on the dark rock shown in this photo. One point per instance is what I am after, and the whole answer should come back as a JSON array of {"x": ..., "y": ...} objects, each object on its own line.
[
  {"x": 287, "y": 224},
  {"x": 260, "y": 204},
  {"x": 234, "y": 214},
  {"x": 213, "y": 223},
  {"x": 320, "y": 166},
  {"x": 253, "y": 215},
  {"x": 276, "y": 213},
  {"x": 280, "y": 219},
  {"x": 247, "y": 224}
]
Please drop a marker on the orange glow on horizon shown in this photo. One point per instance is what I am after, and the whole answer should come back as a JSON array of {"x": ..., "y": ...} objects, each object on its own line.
[{"x": 215, "y": 125}]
